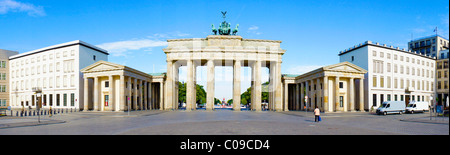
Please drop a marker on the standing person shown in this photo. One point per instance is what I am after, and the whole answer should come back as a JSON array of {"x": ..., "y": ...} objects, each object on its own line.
[
  {"x": 316, "y": 114},
  {"x": 50, "y": 112}
]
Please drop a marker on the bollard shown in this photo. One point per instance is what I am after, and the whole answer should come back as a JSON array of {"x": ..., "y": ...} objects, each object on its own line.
[
  {"x": 29, "y": 114},
  {"x": 25, "y": 113}
]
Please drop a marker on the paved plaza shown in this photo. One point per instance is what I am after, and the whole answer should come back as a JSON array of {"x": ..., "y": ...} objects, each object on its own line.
[{"x": 224, "y": 122}]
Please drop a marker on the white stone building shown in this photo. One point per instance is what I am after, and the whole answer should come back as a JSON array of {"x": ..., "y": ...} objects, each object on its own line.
[
  {"x": 394, "y": 74},
  {"x": 54, "y": 69}
]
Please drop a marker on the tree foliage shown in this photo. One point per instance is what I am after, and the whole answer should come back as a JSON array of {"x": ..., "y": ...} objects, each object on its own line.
[
  {"x": 246, "y": 97},
  {"x": 201, "y": 94}
]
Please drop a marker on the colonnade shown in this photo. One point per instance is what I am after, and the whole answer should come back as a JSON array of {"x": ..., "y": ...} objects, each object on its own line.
[
  {"x": 120, "y": 88},
  {"x": 325, "y": 92},
  {"x": 338, "y": 87},
  {"x": 171, "y": 101}
]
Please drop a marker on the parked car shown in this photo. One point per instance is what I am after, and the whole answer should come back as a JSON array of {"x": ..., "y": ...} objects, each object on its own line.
[
  {"x": 389, "y": 107},
  {"x": 416, "y": 106}
]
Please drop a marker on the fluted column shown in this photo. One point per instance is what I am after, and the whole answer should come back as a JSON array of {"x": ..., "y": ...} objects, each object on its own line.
[
  {"x": 361, "y": 94},
  {"x": 136, "y": 93},
  {"x": 96, "y": 93},
  {"x": 352, "y": 95},
  {"x": 237, "y": 85},
  {"x": 210, "y": 86},
  {"x": 122, "y": 93},
  {"x": 336, "y": 96},
  {"x": 257, "y": 88},
  {"x": 278, "y": 88},
  {"x": 145, "y": 95},
  {"x": 190, "y": 86},
  {"x": 326, "y": 103},
  {"x": 111, "y": 103},
  {"x": 86, "y": 94},
  {"x": 297, "y": 96},
  {"x": 168, "y": 99},
  {"x": 129, "y": 95}
]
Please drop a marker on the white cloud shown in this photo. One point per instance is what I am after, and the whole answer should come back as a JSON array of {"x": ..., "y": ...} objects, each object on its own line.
[
  {"x": 120, "y": 48},
  {"x": 15, "y": 6},
  {"x": 253, "y": 28},
  {"x": 301, "y": 69}
]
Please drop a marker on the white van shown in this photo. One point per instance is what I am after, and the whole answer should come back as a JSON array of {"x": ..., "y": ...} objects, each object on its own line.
[
  {"x": 416, "y": 106},
  {"x": 391, "y": 107}
]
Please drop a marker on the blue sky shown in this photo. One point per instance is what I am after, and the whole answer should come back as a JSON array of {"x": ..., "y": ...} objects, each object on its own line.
[{"x": 135, "y": 32}]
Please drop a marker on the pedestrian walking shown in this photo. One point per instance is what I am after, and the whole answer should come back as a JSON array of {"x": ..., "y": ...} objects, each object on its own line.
[
  {"x": 50, "y": 112},
  {"x": 317, "y": 114}
]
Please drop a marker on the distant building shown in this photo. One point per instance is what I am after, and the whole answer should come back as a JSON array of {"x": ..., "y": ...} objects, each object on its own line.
[
  {"x": 54, "y": 69},
  {"x": 4, "y": 77},
  {"x": 394, "y": 74},
  {"x": 442, "y": 71},
  {"x": 429, "y": 46}
]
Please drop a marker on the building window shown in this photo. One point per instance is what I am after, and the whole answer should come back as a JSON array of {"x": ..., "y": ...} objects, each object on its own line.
[
  {"x": 2, "y": 88},
  {"x": 388, "y": 67},
  {"x": 382, "y": 81},
  {"x": 72, "y": 99},
  {"x": 3, "y": 76},
  {"x": 58, "y": 100},
  {"x": 341, "y": 85},
  {"x": 50, "y": 99},
  {"x": 374, "y": 81},
  {"x": 388, "y": 82},
  {"x": 106, "y": 100},
  {"x": 374, "y": 100},
  {"x": 106, "y": 84},
  {"x": 341, "y": 101},
  {"x": 65, "y": 100},
  {"x": 2, "y": 64},
  {"x": 94, "y": 57},
  {"x": 353, "y": 58},
  {"x": 395, "y": 83}
]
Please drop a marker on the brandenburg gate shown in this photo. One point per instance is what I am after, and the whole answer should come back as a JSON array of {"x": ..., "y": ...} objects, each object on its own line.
[{"x": 224, "y": 50}]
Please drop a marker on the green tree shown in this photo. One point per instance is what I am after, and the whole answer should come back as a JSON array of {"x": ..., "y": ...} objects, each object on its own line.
[
  {"x": 246, "y": 97},
  {"x": 200, "y": 93}
]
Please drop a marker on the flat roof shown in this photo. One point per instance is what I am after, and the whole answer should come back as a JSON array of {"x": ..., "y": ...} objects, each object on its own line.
[
  {"x": 367, "y": 43},
  {"x": 67, "y": 44}
]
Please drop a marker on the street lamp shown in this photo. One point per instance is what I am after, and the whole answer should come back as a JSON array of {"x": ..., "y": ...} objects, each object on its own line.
[{"x": 38, "y": 92}]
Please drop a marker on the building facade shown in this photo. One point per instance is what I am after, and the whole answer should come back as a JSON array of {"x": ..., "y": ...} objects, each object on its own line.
[
  {"x": 54, "y": 69},
  {"x": 4, "y": 77},
  {"x": 113, "y": 87},
  {"x": 429, "y": 46},
  {"x": 332, "y": 88},
  {"x": 442, "y": 76},
  {"x": 394, "y": 74}
]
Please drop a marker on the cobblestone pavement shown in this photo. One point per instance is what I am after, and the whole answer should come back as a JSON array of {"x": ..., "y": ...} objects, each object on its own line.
[{"x": 225, "y": 122}]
